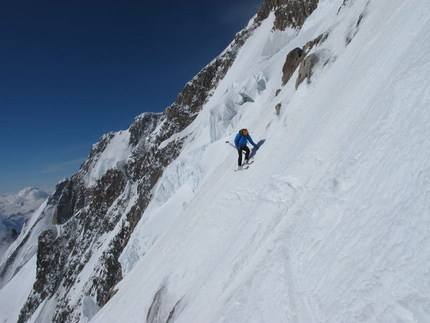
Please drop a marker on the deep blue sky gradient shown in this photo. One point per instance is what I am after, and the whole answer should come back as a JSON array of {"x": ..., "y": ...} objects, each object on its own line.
[{"x": 71, "y": 71}]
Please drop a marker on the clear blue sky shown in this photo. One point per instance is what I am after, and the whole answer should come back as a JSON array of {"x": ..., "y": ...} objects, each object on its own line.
[{"x": 71, "y": 71}]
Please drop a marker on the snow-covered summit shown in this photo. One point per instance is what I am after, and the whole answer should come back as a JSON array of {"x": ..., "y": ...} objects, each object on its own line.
[{"x": 331, "y": 223}]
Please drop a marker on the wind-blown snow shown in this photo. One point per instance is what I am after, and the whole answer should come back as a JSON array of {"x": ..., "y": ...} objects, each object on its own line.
[
  {"x": 331, "y": 223},
  {"x": 113, "y": 156}
]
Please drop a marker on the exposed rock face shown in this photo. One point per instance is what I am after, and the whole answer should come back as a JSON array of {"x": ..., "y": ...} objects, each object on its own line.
[
  {"x": 288, "y": 13},
  {"x": 298, "y": 57},
  {"x": 72, "y": 198},
  {"x": 293, "y": 60}
]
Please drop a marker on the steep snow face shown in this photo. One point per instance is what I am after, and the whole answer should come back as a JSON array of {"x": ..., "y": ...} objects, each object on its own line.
[
  {"x": 113, "y": 156},
  {"x": 332, "y": 221}
]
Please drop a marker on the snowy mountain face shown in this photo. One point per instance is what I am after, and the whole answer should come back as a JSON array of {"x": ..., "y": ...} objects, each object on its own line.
[
  {"x": 331, "y": 223},
  {"x": 15, "y": 209}
]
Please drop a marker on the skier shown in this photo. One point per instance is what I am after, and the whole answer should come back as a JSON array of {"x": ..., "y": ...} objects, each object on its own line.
[{"x": 240, "y": 142}]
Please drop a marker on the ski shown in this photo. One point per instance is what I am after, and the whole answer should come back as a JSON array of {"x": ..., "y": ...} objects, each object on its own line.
[{"x": 245, "y": 166}]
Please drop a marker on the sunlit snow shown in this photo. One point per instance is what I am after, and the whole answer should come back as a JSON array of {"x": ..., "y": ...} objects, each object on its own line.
[{"x": 331, "y": 223}]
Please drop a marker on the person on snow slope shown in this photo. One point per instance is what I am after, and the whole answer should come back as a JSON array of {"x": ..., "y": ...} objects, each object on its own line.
[{"x": 240, "y": 142}]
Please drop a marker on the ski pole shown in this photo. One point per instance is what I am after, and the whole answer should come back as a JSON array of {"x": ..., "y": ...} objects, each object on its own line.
[{"x": 228, "y": 142}]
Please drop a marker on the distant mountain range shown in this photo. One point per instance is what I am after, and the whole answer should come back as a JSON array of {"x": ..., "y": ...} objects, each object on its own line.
[{"x": 15, "y": 209}]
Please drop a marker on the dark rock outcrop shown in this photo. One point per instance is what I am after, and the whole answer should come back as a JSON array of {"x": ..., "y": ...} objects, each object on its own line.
[
  {"x": 278, "y": 109},
  {"x": 296, "y": 58},
  {"x": 293, "y": 60},
  {"x": 288, "y": 13}
]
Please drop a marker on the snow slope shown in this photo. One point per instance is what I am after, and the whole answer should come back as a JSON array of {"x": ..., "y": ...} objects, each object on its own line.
[{"x": 332, "y": 221}]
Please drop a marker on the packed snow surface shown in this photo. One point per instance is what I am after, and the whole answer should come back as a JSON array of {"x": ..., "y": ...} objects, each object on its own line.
[{"x": 331, "y": 223}]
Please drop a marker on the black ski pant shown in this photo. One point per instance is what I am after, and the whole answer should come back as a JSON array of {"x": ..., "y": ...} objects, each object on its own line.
[{"x": 240, "y": 150}]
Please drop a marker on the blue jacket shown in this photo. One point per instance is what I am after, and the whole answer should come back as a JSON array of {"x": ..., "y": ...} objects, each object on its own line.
[{"x": 241, "y": 140}]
